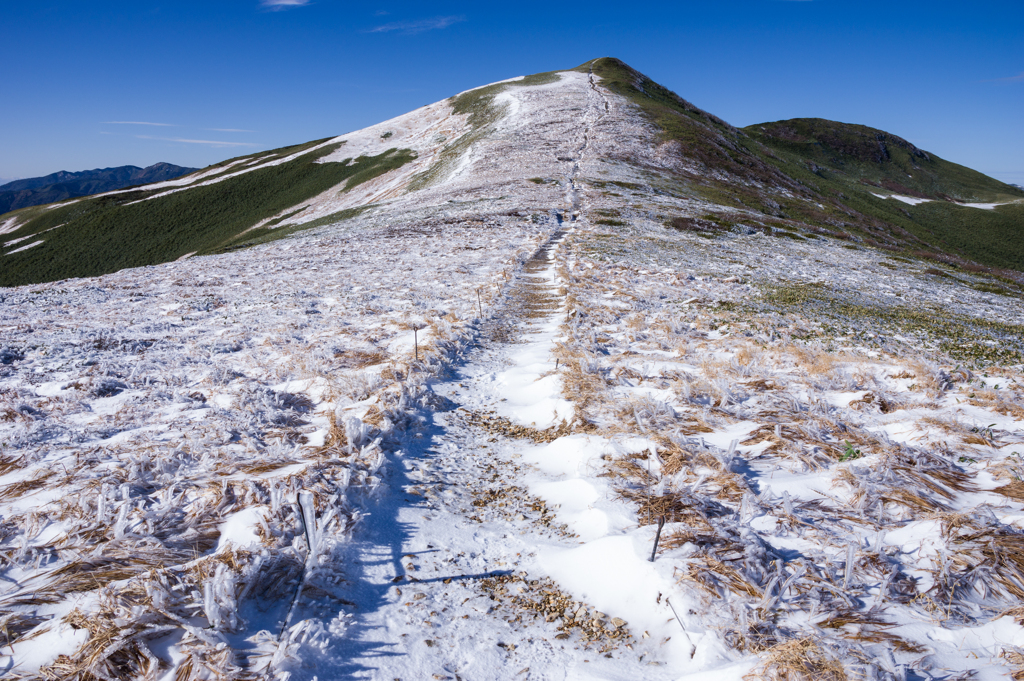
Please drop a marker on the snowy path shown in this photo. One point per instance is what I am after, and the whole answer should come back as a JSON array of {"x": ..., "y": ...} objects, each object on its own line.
[
  {"x": 424, "y": 550},
  {"x": 450, "y": 572}
]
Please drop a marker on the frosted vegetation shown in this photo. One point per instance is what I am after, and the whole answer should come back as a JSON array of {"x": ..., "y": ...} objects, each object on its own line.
[{"x": 437, "y": 439}]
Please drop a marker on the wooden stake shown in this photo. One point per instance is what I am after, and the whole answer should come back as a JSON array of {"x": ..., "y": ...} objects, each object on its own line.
[
  {"x": 416, "y": 342},
  {"x": 307, "y": 506},
  {"x": 649, "y": 514},
  {"x": 307, "y": 515},
  {"x": 657, "y": 537}
]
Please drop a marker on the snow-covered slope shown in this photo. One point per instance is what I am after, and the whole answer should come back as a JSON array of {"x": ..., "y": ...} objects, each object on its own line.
[{"x": 496, "y": 385}]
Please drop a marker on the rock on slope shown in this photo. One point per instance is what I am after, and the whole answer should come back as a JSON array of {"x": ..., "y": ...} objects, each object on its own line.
[{"x": 549, "y": 330}]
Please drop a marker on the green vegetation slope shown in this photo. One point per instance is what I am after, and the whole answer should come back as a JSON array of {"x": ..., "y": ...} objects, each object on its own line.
[
  {"x": 105, "y": 233},
  {"x": 825, "y": 176},
  {"x": 859, "y": 155}
]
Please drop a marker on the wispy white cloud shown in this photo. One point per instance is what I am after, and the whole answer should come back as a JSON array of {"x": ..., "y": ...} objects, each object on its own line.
[
  {"x": 409, "y": 27},
  {"x": 227, "y": 130},
  {"x": 158, "y": 125},
  {"x": 1012, "y": 79},
  {"x": 212, "y": 143},
  {"x": 283, "y": 4}
]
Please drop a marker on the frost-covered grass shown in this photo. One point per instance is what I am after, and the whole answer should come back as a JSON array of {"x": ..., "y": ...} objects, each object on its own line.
[
  {"x": 156, "y": 425},
  {"x": 830, "y": 432},
  {"x": 98, "y": 235},
  {"x": 826, "y": 489}
]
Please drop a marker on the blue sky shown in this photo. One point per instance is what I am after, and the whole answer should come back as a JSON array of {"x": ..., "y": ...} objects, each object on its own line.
[{"x": 97, "y": 84}]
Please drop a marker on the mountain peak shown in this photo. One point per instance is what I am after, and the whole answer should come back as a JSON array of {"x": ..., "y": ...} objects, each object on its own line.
[{"x": 598, "y": 125}]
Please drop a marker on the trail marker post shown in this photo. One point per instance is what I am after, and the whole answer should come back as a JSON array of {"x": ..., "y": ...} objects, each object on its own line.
[{"x": 657, "y": 537}]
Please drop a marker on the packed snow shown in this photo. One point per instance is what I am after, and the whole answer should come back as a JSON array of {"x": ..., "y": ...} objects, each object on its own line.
[{"x": 913, "y": 201}]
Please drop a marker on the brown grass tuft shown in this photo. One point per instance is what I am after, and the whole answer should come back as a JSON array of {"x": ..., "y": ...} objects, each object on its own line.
[
  {"x": 1015, "y": 490},
  {"x": 357, "y": 359},
  {"x": 798, "y": 660},
  {"x": 17, "y": 489}
]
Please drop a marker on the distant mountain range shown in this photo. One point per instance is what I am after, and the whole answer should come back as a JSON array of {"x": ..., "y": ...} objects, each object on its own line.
[{"x": 35, "y": 191}]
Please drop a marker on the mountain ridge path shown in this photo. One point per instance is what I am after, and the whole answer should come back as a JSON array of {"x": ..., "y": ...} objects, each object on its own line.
[
  {"x": 444, "y": 576},
  {"x": 432, "y": 547}
]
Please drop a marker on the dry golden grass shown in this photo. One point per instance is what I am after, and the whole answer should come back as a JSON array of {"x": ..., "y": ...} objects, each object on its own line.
[
  {"x": 978, "y": 551},
  {"x": 716, "y": 577},
  {"x": 585, "y": 388},
  {"x": 1016, "y": 613},
  {"x": 630, "y": 372},
  {"x": 16, "y": 626},
  {"x": 1014, "y": 490},
  {"x": 675, "y": 459},
  {"x": 815, "y": 361},
  {"x": 926, "y": 377},
  {"x": 694, "y": 424},
  {"x": 995, "y": 401},
  {"x": 23, "y": 487},
  {"x": 762, "y": 384},
  {"x": 920, "y": 482},
  {"x": 499, "y": 425},
  {"x": 940, "y": 478},
  {"x": 262, "y": 467},
  {"x": 975, "y": 439},
  {"x": 797, "y": 660},
  {"x": 716, "y": 392},
  {"x": 764, "y": 434},
  {"x": 710, "y": 367},
  {"x": 672, "y": 506},
  {"x": 944, "y": 425},
  {"x": 748, "y": 354},
  {"x": 914, "y": 501},
  {"x": 358, "y": 359},
  {"x": 731, "y": 487},
  {"x": 7, "y": 464},
  {"x": 789, "y": 384},
  {"x": 111, "y": 652},
  {"x": 1014, "y": 657},
  {"x": 10, "y": 415},
  {"x": 859, "y": 625},
  {"x": 635, "y": 322},
  {"x": 871, "y": 400}
]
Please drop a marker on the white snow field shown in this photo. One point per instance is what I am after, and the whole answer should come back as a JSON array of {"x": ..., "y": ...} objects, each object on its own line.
[
  {"x": 438, "y": 440},
  {"x": 913, "y": 201}
]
